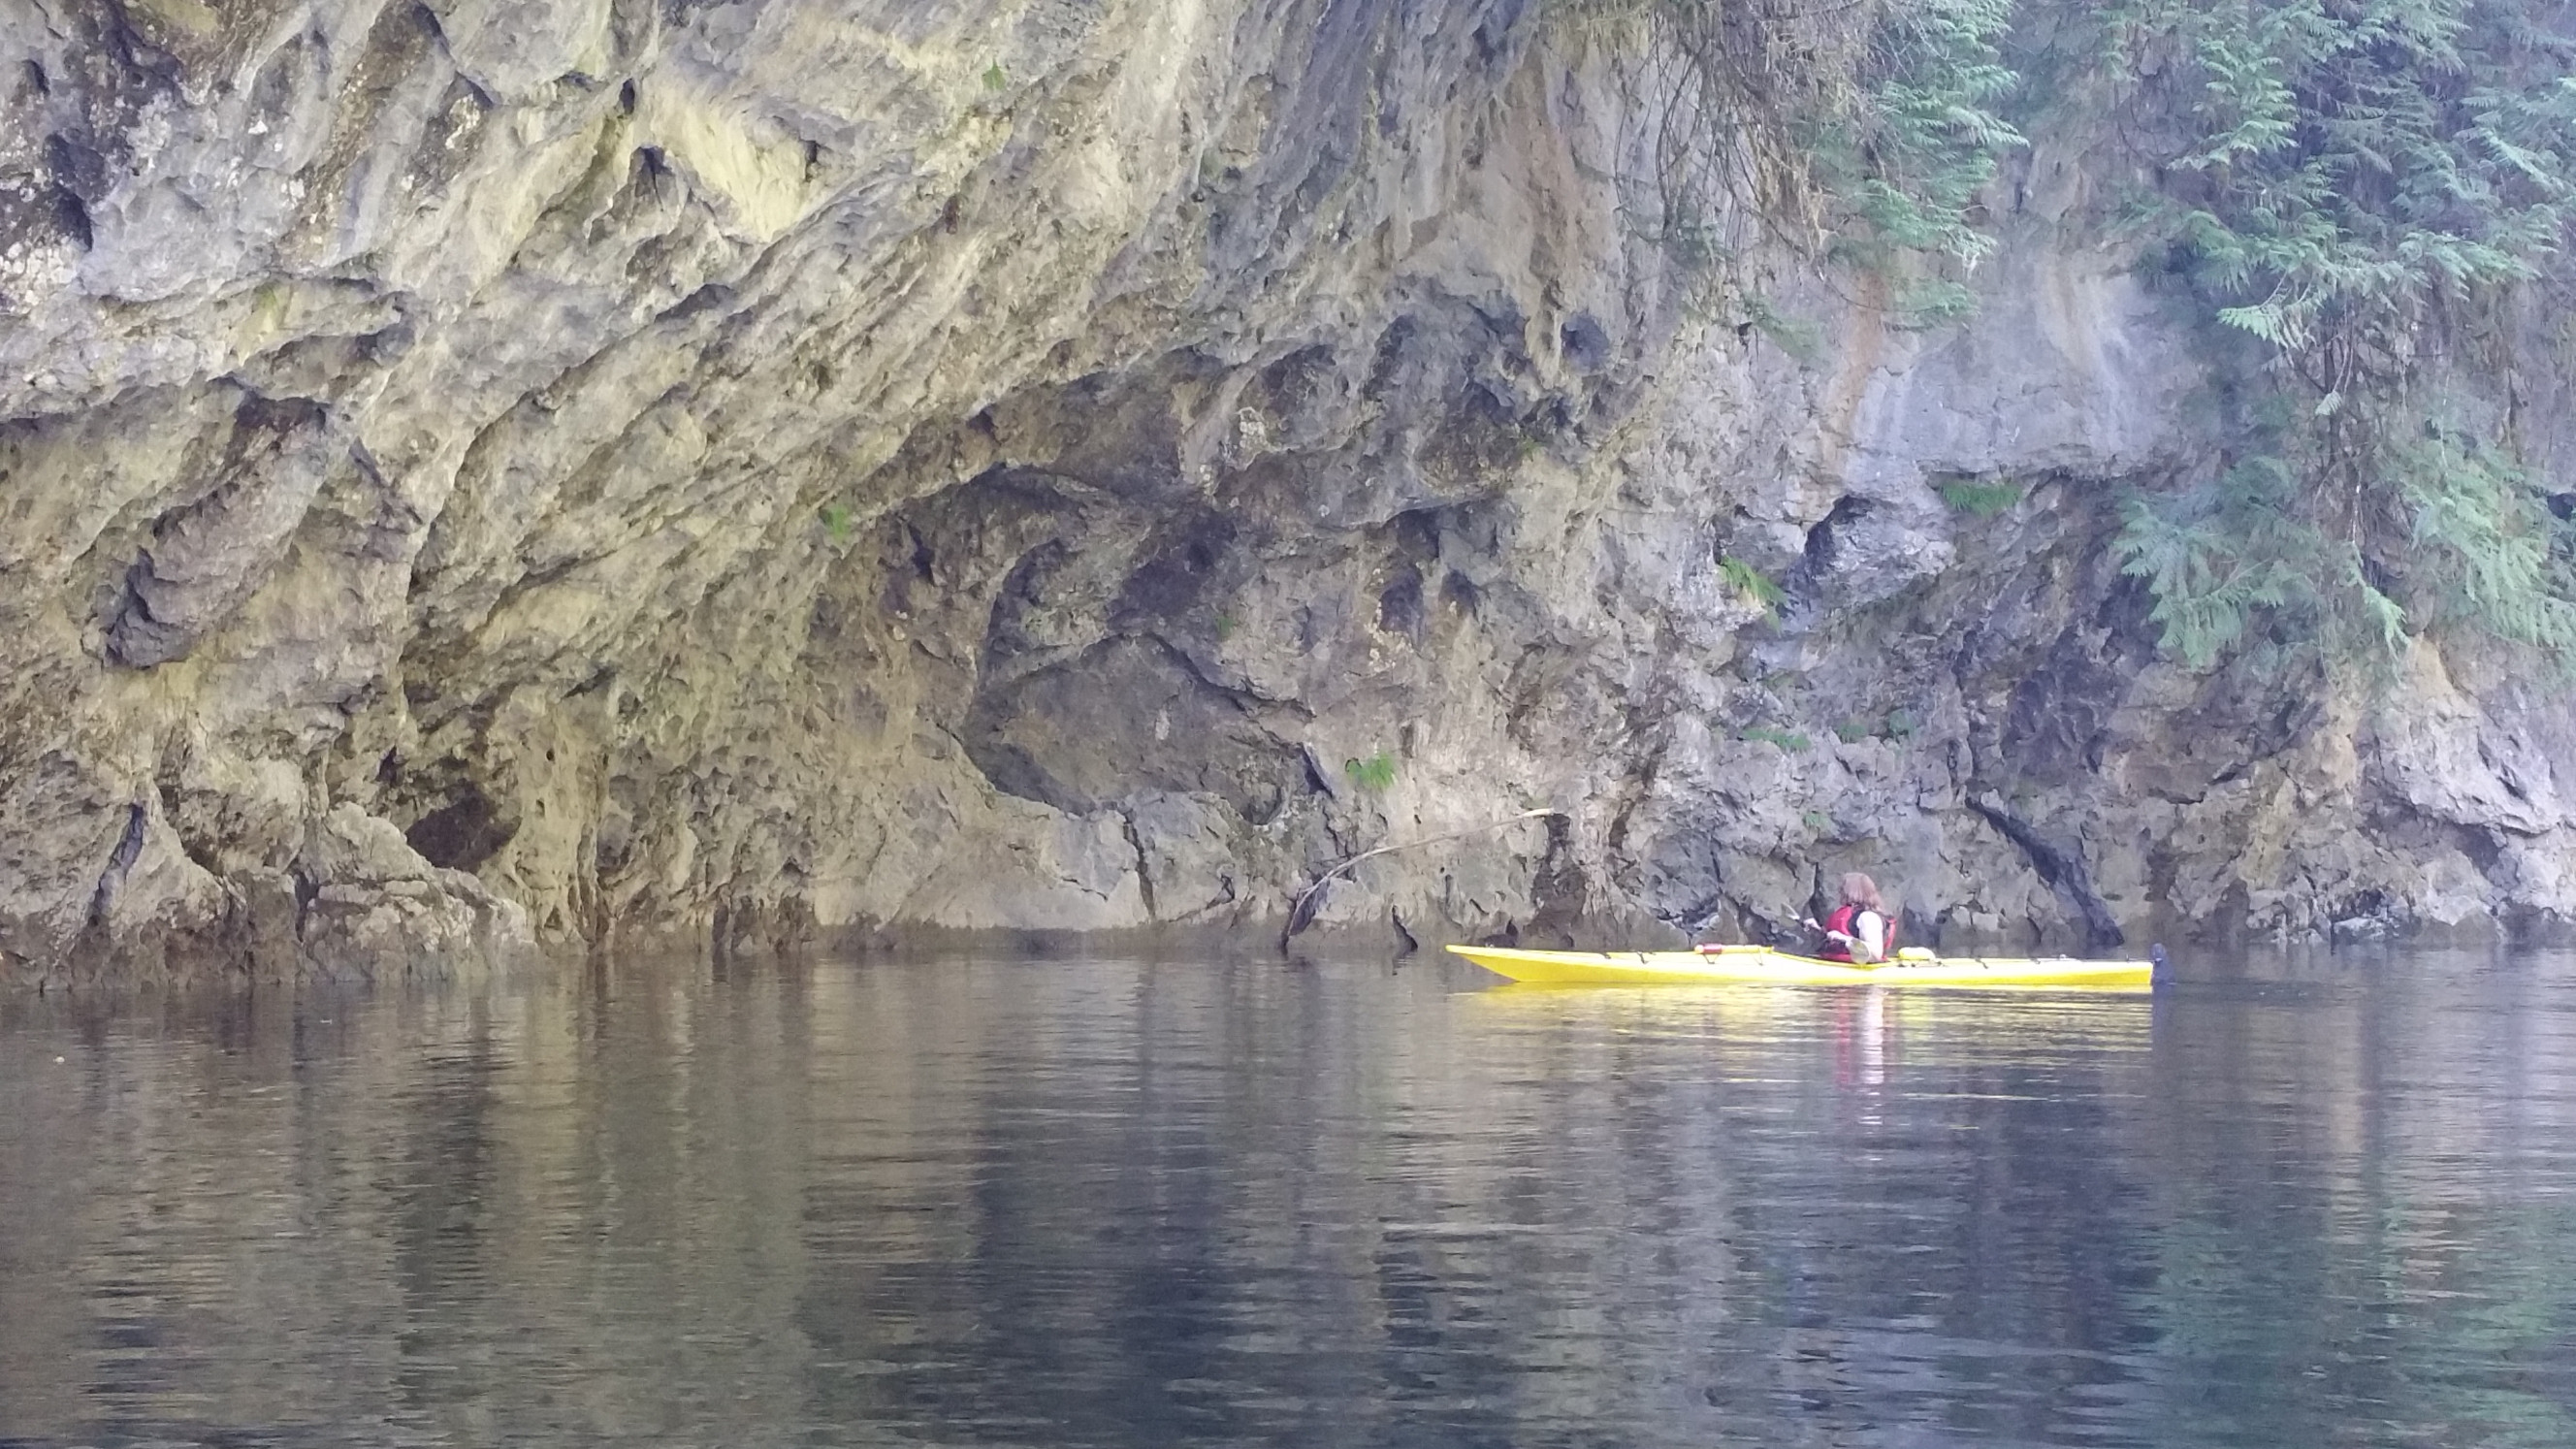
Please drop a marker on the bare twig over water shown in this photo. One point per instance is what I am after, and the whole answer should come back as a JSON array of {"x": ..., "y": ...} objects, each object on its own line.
[{"x": 1301, "y": 914}]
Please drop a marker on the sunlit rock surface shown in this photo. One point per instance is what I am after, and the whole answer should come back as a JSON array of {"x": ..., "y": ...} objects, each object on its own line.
[{"x": 509, "y": 470}]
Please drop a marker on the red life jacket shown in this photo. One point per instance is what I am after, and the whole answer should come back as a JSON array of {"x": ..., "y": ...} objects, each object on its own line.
[{"x": 1846, "y": 919}]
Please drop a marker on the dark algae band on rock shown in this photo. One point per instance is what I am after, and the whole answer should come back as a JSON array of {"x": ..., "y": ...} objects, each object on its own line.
[{"x": 525, "y": 475}]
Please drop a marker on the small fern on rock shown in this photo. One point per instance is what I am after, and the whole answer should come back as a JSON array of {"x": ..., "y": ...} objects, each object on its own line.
[
  {"x": 1374, "y": 774},
  {"x": 1751, "y": 584},
  {"x": 1980, "y": 500}
]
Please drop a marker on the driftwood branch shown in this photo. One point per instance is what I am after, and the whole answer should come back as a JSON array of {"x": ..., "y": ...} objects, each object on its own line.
[{"x": 1301, "y": 913}]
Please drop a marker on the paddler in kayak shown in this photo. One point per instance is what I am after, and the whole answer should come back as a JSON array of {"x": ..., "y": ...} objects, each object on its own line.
[{"x": 1858, "y": 930}]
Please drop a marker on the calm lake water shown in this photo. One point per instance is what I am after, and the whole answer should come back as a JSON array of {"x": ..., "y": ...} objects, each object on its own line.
[{"x": 1124, "y": 1202}]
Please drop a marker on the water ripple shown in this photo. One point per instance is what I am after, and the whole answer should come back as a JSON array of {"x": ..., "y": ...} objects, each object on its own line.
[{"x": 1120, "y": 1202}]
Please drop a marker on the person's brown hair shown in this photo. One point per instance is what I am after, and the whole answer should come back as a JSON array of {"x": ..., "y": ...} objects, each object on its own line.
[{"x": 1860, "y": 890}]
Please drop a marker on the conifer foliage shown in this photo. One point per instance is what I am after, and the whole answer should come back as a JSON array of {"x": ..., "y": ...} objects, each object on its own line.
[
  {"x": 2354, "y": 191},
  {"x": 2359, "y": 188},
  {"x": 1858, "y": 131}
]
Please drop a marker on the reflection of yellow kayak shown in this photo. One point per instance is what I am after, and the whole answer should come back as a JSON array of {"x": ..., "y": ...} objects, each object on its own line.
[{"x": 1763, "y": 965}]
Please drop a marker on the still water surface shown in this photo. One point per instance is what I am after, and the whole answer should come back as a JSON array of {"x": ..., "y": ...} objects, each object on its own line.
[{"x": 1121, "y": 1202}]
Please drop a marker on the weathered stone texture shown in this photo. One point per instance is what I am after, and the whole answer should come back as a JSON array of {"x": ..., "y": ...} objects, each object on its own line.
[{"x": 509, "y": 469}]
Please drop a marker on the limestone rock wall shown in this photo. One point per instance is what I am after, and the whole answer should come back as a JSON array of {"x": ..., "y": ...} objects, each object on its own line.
[{"x": 486, "y": 471}]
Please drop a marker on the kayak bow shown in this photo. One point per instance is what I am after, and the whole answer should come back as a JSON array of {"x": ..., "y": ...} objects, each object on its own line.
[{"x": 1763, "y": 965}]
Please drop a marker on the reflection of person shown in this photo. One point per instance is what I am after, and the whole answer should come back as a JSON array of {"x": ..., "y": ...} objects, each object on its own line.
[{"x": 1858, "y": 930}]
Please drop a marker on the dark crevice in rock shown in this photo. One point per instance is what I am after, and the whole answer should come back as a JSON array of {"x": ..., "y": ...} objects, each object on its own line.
[
  {"x": 1819, "y": 558},
  {"x": 462, "y": 834},
  {"x": 2062, "y": 870},
  {"x": 1181, "y": 563},
  {"x": 2481, "y": 845},
  {"x": 427, "y": 19},
  {"x": 1315, "y": 778},
  {"x": 73, "y": 218},
  {"x": 1586, "y": 346},
  {"x": 1144, "y": 864},
  {"x": 129, "y": 848},
  {"x": 1399, "y": 606}
]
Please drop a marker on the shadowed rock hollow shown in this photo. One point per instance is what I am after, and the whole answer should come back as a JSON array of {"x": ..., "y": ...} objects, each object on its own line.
[{"x": 492, "y": 470}]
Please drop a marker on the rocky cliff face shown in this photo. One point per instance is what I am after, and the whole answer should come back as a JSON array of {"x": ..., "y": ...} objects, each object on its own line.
[{"x": 491, "y": 470}]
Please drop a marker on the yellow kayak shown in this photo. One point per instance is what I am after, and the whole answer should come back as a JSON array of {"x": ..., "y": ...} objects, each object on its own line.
[{"x": 1763, "y": 965}]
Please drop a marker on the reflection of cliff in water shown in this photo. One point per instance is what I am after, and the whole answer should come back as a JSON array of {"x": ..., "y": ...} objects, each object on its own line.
[
  {"x": 1881, "y": 1188},
  {"x": 1113, "y": 1202},
  {"x": 2413, "y": 1240}
]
